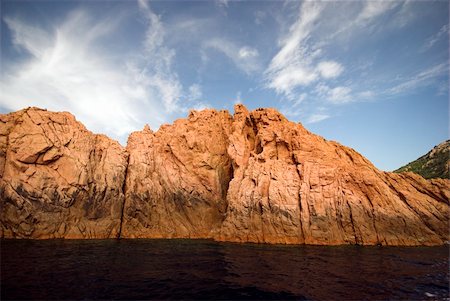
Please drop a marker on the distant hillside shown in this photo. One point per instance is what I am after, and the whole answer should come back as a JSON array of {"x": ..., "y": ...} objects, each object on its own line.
[{"x": 435, "y": 164}]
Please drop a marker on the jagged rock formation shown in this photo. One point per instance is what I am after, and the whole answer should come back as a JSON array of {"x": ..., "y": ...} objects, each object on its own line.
[
  {"x": 178, "y": 178},
  {"x": 58, "y": 180},
  {"x": 251, "y": 177},
  {"x": 292, "y": 186},
  {"x": 434, "y": 164}
]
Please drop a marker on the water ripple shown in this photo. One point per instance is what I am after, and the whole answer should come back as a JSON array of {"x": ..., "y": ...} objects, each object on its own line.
[{"x": 184, "y": 269}]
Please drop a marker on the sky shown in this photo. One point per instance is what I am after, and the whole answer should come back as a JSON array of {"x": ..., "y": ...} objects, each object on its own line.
[{"x": 372, "y": 75}]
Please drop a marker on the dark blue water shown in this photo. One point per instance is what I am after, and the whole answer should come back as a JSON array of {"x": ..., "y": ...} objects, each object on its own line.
[{"x": 184, "y": 269}]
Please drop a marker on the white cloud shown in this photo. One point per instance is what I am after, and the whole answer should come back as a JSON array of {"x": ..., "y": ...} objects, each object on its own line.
[
  {"x": 158, "y": 61},
  {"x": 443, "y": 32},
  {"x": 292, "y": 52},
  {"x": 340, "y": 95},
  {"x": 317, "y": 118},
  {"x": 329, "y": 69},
  {"x": 291, "y": 77},
  {"x": 69, "y": 68},
  {"x": 245, "y": 57},
  {"x": 295, "y": 64},
  {"x": 247, "y": 52},
  {"x": 336, "y": 95},
  {"x": 300, "y": 61}
]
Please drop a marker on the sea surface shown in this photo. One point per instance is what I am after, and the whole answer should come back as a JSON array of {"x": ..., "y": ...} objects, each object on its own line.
[{"x": 202, "y": 269}]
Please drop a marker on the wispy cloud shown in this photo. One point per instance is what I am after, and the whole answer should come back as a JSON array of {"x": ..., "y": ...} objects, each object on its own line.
[
  {"x": 29, "y": 38},
  {"x": 157, "y": 58},
  {"x": 222, "y": 3},
  {"x": 405, "y": 14},
  {"x": 374, "y": 9},
  {"x": 70, "y": 68},
  {"x": 317, "y": 118},
  {"x": 247, "y": 52},
  {"x": 443, "y": 32},
  {"x": 195, "y": 92},
  {"x": 352, "y": 22},
  {"x": 244, "y": 57},
  {"x": 304, "y": 64},
  {"x": 299, "y": 100},
  {"x": 336, "y": 95},
  {"x": 422, "y": 78},
  {"x": 238, "y": 99},
  {"x": 340, "y": 95},
  {"x": 259, "y": 17},
  {"x": 194, "y": 99},
  {"x": 329, "y": 69},
  {"x": 368, "y": 94},
  {"x": 293, "y": 66},
  {"x": 298, "y": 63}
]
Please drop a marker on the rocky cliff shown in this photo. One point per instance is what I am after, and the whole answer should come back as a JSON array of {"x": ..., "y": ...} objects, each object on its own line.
[
  {"x": 58, "y": 180},
  {"x": 251, "y": 177},
  {"x": 177, "y": 179}
]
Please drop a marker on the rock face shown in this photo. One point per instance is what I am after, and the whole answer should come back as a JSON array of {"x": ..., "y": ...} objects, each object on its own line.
[
  {"x": 251, "y": 177},
  {"x": 291, "y": 186},
  {"x": 178, "y": 177},
  {"x": 58, "y": 180},
  {"x": 434, "y": 164}
]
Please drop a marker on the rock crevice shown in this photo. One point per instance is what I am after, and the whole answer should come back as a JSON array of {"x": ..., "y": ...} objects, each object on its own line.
[
  {"x": 250, "y": 177},
  {"x": 124, "y": 189}
]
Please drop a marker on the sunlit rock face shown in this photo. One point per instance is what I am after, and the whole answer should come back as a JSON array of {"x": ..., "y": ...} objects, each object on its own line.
[
  {"x": 250, "y": 177},
  {"x": 291, "y": 186},
  {"x": 58, "y": 180},
  {"x": 178, "y": 177}
]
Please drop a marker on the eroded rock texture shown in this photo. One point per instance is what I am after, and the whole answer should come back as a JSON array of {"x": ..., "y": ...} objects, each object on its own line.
[
  {"x": 178, "y": 178},
  {"x": 251, "y": 177},
  {"x": 291, "y": 186},
  {"x": 58, "y": 180}
]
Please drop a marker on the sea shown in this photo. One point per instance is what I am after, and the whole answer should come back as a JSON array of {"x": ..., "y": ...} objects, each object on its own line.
[{"x": 179, "y": 269}]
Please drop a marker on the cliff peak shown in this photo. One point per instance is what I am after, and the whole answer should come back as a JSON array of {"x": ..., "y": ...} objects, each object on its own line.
[{"x": 147, "y": 129}]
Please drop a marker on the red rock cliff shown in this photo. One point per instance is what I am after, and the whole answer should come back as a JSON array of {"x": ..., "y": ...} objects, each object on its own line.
[
  {"x": 251, "y": 177},
  {"x": 58, "y": 180}
]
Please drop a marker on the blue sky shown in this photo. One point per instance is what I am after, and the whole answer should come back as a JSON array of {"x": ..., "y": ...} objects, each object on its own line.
[{"x": 373, "y": 75}]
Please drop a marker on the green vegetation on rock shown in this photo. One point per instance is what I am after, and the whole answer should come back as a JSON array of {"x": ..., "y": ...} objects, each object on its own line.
[{"x": 435, "y": 164}]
